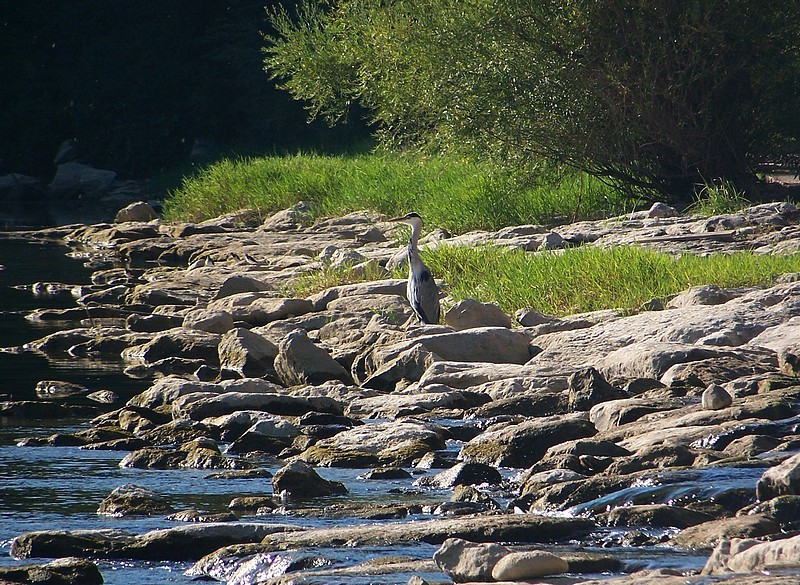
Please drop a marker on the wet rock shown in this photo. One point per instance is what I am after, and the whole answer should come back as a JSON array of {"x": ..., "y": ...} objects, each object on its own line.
[
  {"x": 469, "y": 313},
  {"x": 783, "y": 479},
  {"x": 528, "y": 565},
  {"x": 152, "y": 323},
  {"x": 43, "y": 409},
  {"x": 374, "y": 444},
  {"x": 196, "y": 454},
  {"x": 709, "y": 534},
  {"x": 247, "y": 353},
  {"x": 267, "y": 435},
  {"x": 715, "y": 397},
  {"x": 656, "y": 515},
  {"x": 76, "y": 543},
  {"x": 195, "y": 516},
  {"x": 240, "y": 474},
  {"x": 383, "y": 473},
  {"x": 653, "y": 457},
  {"x": 615, "y": 413},
  {"x": 784, "y": 509},
  {"x": 463, "y": 474},
  {"x": 301, "y": 361},
  {"x": 67, "y": 571},
  {"x": 249, "y": 504},
  {"x": 137, "y": 211},
  {"x": 299, "y": 480},
  {"x": 133, "y": 500},
  {"x": 208, "y": 320},
  {"x": 465, "y": 561},
  {"x": 588, "y": 387},
  {"x": 750, "y": 556},
  {"x": 522, "y": 445},
  {"x": 175, "y": 432}
]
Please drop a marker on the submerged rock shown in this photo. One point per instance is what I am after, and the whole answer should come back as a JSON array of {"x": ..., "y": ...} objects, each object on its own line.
[{"x": 133, "y": 500}]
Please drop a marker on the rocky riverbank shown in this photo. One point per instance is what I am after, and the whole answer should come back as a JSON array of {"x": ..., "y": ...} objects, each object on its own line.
[{"x": 555, "y": 437}]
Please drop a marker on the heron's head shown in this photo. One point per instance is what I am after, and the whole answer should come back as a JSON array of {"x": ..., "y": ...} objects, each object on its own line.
[{"x": 413, "y": 219}]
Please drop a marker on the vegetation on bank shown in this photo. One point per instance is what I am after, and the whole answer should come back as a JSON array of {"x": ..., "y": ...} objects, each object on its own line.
[
  {"x": 453, "y": 193},
  {"x": 575, "y": 280}
]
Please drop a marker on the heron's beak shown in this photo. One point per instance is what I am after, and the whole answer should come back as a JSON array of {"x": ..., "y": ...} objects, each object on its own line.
[{"x": 396, "y": 219}]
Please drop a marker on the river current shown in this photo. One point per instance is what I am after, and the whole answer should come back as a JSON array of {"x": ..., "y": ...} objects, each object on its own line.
[{"x": 61, "y": 487}]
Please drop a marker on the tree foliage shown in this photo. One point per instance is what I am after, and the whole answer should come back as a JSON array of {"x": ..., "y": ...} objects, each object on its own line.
[{"x": 656, "y": 95}]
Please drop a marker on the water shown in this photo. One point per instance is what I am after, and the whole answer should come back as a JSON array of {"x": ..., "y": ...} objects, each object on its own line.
[{"x": 61, "y": 487}]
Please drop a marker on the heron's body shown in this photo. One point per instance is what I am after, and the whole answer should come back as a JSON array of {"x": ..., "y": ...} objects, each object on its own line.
[{"x": 421, "y": 289}]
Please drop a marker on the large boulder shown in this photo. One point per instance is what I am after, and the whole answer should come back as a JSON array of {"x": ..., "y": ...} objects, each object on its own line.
[
  {"x": 247, "y": 353},
  {"x": 68, "y": 571},
  {"x": 783, "y": 479},
  {"x": 469, "y": 313},
  {"x": 375, "y": 444},
  {"x": 133, "y": 500},
  {"x": 523, "y": 444},
  {"x": 74, "y": 178},
  {"x": 465, "y": 561},
  {"x": 524, "y": 565},
  {"x": 299, "y": 480},
  {"x": 747, "y": 555},
  {"x": 137, "y": 211},
  {"x": 301, "y": 361}
]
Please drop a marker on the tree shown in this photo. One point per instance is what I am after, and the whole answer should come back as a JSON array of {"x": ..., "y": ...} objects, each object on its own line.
[{"x": 655, "y": 95}]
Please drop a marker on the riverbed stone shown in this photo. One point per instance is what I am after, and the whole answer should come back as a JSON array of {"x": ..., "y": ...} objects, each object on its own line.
[
  {"x": 299, "y": 480},
  {"x": 374, "y": 444},
  {"x": 523, "y": 444},
  {"x": 465, "y": 561},
  {"x": 469, "y": 313},
  {"x": 204, "y": 406},
  {"x": 463, "y": 474},
  {"x": 588, "y": 387},
  {"x": 301, "y": 361},
  {"x": 747, "y": 555},
  {"x": 656, "y": 515},
  {"x": 247, "y": 353},
  {"x": 209, "y": 320},
  {"x": 136, "y": 211},
  {"x": 523, "y": 565},
  {"x": 133, "y": 500},
  {"x": 783, "y": 479},
  {"x": 66, "y": 571},
  {"x": 178, "y": 342},
  {"x": 709, "y": 534},
  {"x": 715, "y": 397}
]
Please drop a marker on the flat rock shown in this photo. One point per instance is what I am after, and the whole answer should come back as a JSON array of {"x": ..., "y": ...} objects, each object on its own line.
[
  {"x": 523, "y": 565},
  {"x": 465, "y": 561},
  {"x": 709, "y": 534},
  {"x": 750, "y": 556},
  {"x": 218, "y": 405},
  {"x": 66, "y": 571}
]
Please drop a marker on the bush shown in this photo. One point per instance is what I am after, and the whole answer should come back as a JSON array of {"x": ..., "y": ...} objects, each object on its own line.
[{"x": 654, "y": 95}]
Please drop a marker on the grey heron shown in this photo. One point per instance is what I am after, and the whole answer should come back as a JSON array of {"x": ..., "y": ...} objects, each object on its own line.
[{"x": 421, "y": 290}]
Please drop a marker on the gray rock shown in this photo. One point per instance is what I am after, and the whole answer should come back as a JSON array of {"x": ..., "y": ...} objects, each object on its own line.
[
  {"x": 715, "y": 397},
  {"x": 524, "y": 565},
  {"x": 209, "y": 320},
  {"x": 179, "y": 342},
  {"x": 661, "y": 211},
  {"x": 201, "y": 407},
  {"x": 463, "y": 474},
  {"x": 614, "y": 413},
  {"x": 656, "y": 515},
  {"x": 523, "y": 444},
  {"x": 247, "y": 353},
  {"x": 469, "y": 313},
  {"x": 301, "y": 361},
  {"x": 397, "y": 405},
  {"x": 754, "y": 556},
  {"x": 133, "y": 500},
  {"x": 709, "y": 534},
  {"x": 138, "y": 211},
  {"x": 530, "y": 317},
  {"x": 783, "y": 479},
  {"x": 588, "y": 387},
  {"x": 68, "y": 571},
  {"x": 238, "y": 284},
  {"x": 708, "y": 294},
  {"x": 299, "y": 480},
  {"x": 465, "y": 561},
  {"x": 395, "y": 287},
  {"x": 374, "y": 444}
]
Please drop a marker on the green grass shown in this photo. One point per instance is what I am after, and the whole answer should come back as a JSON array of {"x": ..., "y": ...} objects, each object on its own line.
[
  {"x": 572, "y": 281},
  {"x": 588, "y": 278},
  {"x": 449, "y": 192},
  {"x": 718, "y": 198}
]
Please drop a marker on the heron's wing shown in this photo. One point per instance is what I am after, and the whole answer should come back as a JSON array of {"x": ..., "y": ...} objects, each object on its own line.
[{"x": 424, "y": 296}]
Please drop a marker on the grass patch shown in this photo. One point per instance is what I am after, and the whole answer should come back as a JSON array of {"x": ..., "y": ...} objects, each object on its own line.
[
  {"x": 589, "y": 278},
  {"x": 449, "y": 192},
  {"x": 717, "y": 198}
]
